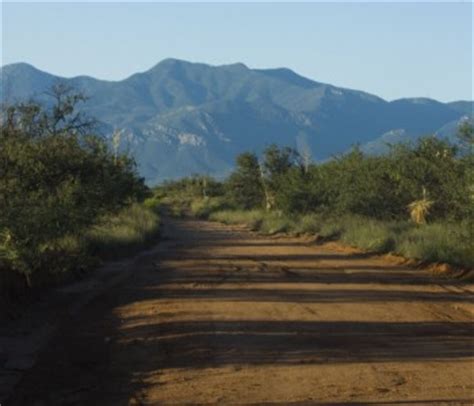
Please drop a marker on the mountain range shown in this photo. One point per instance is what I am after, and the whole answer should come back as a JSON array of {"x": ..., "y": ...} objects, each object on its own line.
[{"x": 180, "y": 118}]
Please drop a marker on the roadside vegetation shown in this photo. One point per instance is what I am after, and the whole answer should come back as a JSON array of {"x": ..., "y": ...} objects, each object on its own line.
[
  {"x": 66, "y": 198},
  {"x": 123, "y": 233},
  {"x": 416, "y": 201}
]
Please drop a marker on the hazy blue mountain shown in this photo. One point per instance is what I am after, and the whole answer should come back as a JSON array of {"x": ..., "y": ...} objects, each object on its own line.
[
  {"x": 448, "y": 132},
  {"x": 465, "y": 107},
  {"x": 381, "y": 145},
  {"x": 180, "y": 118}
]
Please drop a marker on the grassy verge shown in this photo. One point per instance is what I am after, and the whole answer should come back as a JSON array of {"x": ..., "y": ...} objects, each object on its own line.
[
  {"x": 124, "y": 233},
  {"x": 444, "y": 242},
  {"x": 116, "y": 235}
]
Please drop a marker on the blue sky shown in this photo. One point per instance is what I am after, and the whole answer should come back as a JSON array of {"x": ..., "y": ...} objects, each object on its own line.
[{"x": 390, "y": 49}]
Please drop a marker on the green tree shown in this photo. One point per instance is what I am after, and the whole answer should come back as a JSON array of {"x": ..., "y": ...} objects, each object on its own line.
[
  {"x": 244, "y": 186},
  {"x": 56, "y": 178},
  {"x": 432, "y": 165},
  {"x": 466, "y": 135},
  {"x": 302, "y": 190},
  {"x": 277, "y": 162}
]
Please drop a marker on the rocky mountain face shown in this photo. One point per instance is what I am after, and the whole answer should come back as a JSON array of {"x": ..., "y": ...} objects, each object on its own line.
[{"x": 180, "y": 118}]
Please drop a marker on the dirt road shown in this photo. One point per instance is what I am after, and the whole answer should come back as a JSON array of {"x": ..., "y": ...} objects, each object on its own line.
[{"x": 222, "y": 316}]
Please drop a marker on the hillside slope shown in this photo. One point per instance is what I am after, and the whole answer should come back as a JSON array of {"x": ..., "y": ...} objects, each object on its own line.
[{"x": 180, "y": 118}]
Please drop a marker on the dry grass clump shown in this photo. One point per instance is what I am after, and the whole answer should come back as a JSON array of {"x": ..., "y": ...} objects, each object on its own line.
[{"x": 419, "y": 209}]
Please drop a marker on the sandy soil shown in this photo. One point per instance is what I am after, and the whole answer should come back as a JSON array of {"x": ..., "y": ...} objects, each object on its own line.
[{"x": 218, "y": 315}]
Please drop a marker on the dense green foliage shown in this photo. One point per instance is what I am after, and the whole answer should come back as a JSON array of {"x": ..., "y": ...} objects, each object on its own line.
[
  {"x": 245, "y": 187},
  {"x": 365, "y": 201},
  {"x": 57, "y": 179},
  {"x": 379, "y": 187}
]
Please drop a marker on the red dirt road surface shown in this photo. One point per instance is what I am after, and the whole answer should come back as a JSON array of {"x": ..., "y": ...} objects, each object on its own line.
[{"x": 219, "y": 315}]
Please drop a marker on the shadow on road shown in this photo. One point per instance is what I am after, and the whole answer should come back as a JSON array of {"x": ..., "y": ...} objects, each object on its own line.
[{"x": 103, "y": 357}]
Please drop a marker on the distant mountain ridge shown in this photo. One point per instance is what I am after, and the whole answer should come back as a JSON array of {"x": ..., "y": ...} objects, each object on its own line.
[{"x": 180, "y": 118}]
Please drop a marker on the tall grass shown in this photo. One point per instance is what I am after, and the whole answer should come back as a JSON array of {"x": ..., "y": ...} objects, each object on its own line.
[
  {"x": 370, "y": 235},
  {"x": 122, "y": 234},
  {"x": 276, "y": 222},
  {"x": 251, "y": 218},
  {"x": 439, "y": 242},
  {"x": 309, "y": 224},
  {"x": 203, "y": 207}
]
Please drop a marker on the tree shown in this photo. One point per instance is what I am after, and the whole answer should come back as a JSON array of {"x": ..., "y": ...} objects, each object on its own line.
[
  {"x": 466, "y": 135},
  {"x": 302, "y": 191},
  {"x": 244, "y": 185},
  {"x": 432, "y": 164},
  {"x": 60, "y": 116},
  {"x": 56, "y": 178},
  {"x": 276, "y": 164}
]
